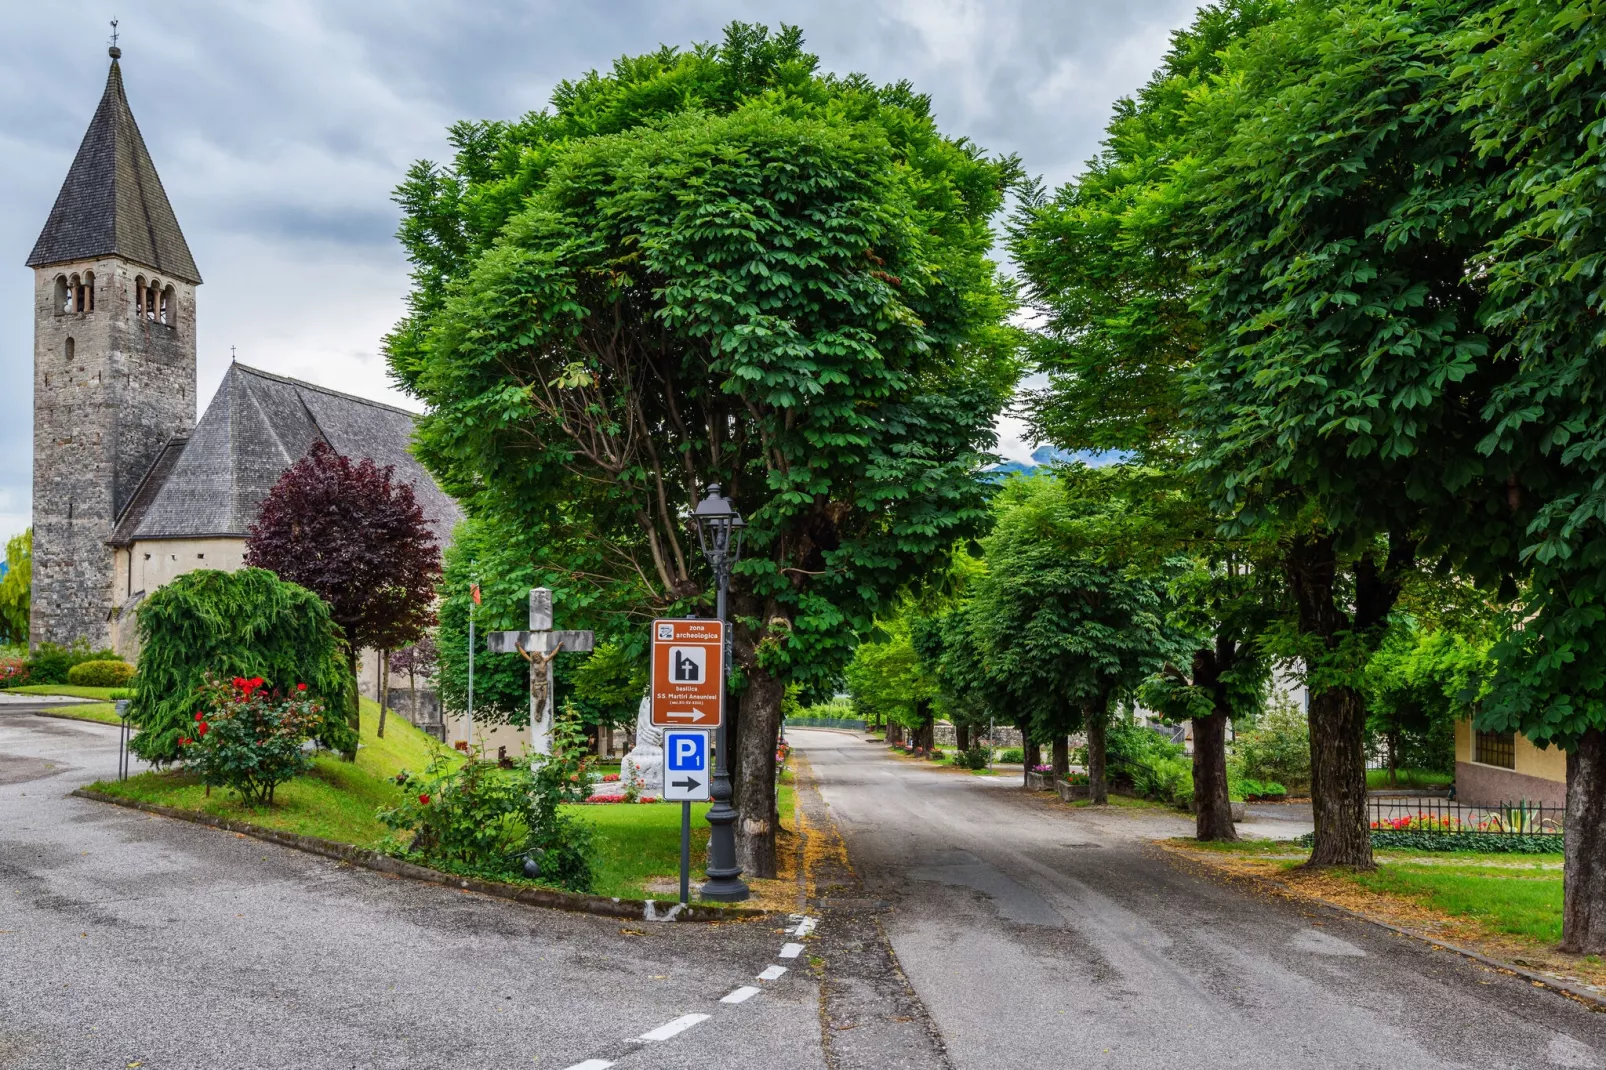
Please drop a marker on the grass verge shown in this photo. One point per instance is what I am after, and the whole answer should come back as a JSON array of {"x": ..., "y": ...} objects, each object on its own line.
[
  {"x": 1378, "y": 779},
  {"x": 637, "y": 847},
  {"x": 99, "y": 712},
  {"x": 102, "y": 693},
  {"x": 1503, "y": 905}
]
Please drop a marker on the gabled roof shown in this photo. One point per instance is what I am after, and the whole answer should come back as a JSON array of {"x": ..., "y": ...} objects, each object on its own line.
[
  {"x": 257, "y": 425},
  {"x": 112, "y": 203}
]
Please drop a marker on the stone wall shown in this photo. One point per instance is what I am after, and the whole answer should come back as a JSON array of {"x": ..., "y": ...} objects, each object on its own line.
[
  {"x": 1487, "y": 785},
  {"x": 101, "y": 416}
]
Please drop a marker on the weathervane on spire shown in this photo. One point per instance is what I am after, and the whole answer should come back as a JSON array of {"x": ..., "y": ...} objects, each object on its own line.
[{"x": 114, "y": 51}]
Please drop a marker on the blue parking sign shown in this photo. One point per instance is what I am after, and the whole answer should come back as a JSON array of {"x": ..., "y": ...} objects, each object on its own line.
[{"x": 685, "y": 765}]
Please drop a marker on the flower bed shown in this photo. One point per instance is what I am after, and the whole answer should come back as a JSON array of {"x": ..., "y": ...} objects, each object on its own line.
[{"x": 599, "y": 798}]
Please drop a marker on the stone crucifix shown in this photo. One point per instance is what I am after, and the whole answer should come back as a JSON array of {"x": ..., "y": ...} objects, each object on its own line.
[{"x": 540, "y": 646}]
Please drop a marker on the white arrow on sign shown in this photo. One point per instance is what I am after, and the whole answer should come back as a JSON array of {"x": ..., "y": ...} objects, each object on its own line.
[{"x": 684, "y": 715}]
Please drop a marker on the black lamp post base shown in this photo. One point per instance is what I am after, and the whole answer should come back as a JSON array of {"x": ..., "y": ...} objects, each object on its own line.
[{"x": 725, "y": 890}]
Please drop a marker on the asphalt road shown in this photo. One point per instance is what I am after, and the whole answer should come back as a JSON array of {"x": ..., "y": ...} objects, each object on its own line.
[
  {"x": 130, "y": 940},
  {"x": 1034, "y": 935}
]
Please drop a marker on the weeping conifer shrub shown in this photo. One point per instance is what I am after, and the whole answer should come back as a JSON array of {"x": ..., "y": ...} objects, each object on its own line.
[{"x": 234, "y": 624}]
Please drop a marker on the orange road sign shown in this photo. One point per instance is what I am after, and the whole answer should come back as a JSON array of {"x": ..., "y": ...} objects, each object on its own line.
[{"x": 688, "y": 673}]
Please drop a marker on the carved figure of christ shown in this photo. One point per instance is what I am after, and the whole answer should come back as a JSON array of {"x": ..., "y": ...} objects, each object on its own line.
[{"x": 540, "y": 646}]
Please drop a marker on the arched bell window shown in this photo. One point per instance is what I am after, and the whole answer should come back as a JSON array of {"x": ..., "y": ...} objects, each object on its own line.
[
  {"x": 63, "y": 296},
  {"x": 169, "y": 308},
  {"x": 86, "y": 293},
  {"x": 139, "y": 296}
]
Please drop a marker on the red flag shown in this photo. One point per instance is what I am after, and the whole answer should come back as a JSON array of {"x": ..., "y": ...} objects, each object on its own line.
[{"x": 475, "y": 591}]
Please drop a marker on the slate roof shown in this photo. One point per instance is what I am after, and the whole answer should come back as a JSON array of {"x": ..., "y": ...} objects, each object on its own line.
[
  {"x": 112, "y": 203},
  {"x": 257, "y": 425}
]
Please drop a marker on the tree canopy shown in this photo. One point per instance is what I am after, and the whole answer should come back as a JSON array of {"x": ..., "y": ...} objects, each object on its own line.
[{"x": 718, "y": 266}]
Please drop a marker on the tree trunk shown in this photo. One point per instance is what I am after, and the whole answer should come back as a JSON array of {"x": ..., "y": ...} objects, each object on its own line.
[
  {"x": 1583, "y": 912},
  {"x": 894, "y": 733},
  {"x": 1032, "y": 753},
  {"x": 1062, "y": 757},
  {"x": 384, "y": 691},
  {"x": 412, "y": 695},
  {"x": 962, "y": 737},
  {"x": 755, "y": 782},
  {"x": 1213, "y": 819},
  {"x": 1096, "y": 719},
  {"x": 1338, "y": 779},
  {"x": 355, "y": 720},
  {"x": 928, "y": 732}
]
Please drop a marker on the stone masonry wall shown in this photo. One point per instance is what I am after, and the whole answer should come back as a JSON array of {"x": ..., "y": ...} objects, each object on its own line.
[{"x": 100, "y": 419}]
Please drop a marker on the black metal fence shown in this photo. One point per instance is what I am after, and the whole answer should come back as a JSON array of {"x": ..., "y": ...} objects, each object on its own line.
[{"x": 1423, "y": 814}]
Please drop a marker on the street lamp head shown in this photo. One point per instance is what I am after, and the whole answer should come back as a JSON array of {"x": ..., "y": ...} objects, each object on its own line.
[{"x": 719, "y": 529}]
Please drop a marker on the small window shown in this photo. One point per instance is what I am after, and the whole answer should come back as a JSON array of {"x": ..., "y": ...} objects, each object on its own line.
[
  {"x": 63, "y": 296},
  {"x": 1496, "y": 748},
  {"x": 139, "y": 296},
  {"x": 71, "y": 349}
]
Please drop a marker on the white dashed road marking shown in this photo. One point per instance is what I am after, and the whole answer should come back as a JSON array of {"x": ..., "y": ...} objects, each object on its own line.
[
  {"x": 675, "y": 1028},
  {"x": 771, "y": 973},
  {"x": 805, "y": 927},
  {"x": 591, "y": 1064},
  {"x": 791, "y": 951},
  {"x": 742, "y": 994}
]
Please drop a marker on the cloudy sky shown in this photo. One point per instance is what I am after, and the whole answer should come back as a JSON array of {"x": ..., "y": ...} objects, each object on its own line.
[{"x": 280, "y": 129}]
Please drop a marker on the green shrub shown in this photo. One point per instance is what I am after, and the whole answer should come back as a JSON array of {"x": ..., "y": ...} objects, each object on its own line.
[
  {"x": 1477, "y": 842},
  {"x": 476, "y": 817},
  {"x": 1162, "y": 778},
  {"x": 972, "y": 758},
  {"x": 51, "y": 663},
  {"x": 100, "y": 674},
  {"x": 1276, "y": 748},
  {"x": 1012, "y": 756},
  {"x": 243, "y": 624},
  {"x": 248, "y": 739}
]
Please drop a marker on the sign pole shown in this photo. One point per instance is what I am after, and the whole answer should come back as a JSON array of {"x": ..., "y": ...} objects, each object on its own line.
[
  {"x": 474, "y": 600},
  {"x": 685, "y": 852}
]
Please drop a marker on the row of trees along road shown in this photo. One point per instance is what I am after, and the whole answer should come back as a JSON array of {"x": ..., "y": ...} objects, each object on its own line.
[
  {"x": 1338, "y": 268},
  {"x": 717, "y": 266}
]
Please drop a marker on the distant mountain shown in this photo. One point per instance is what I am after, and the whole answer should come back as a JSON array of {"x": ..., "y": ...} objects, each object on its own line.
[{"x": 1052, "y": 454}]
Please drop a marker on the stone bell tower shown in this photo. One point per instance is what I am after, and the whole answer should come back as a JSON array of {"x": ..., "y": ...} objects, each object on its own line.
[{"x": 113, "y": 363}]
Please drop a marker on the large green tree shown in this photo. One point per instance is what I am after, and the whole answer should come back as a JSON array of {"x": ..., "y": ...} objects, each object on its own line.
[
  {"x": 1064, "y": 629},
  {"x": 1534, "y": 94},
  {"x": 16, "y": 589},
  {"x": 1117, "y": 334},
  {"x": 718, "y": 266}
]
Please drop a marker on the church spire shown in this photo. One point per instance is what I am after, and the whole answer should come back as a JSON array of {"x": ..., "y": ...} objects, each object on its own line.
[{"x": 112, "y": 203}]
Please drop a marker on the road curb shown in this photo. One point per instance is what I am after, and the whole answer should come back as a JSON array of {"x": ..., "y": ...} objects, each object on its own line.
[
  {"x": 1595, "y": 1001},
  {"x": 574, "y": 902}
]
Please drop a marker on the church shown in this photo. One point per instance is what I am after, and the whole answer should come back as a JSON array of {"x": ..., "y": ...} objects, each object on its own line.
[{"x": 129, "y": 490}]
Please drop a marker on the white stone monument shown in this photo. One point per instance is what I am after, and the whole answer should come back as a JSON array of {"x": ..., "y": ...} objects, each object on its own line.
[
  {"x": 539, "y": 646},
  {"x": 646, "y": 759}
]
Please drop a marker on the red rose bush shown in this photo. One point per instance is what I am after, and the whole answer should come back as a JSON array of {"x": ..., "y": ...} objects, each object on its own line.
[{"x": 248, "y": 738}]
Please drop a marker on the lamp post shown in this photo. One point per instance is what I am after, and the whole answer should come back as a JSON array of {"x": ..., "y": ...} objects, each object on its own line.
[{"x": 719, "y": 532}]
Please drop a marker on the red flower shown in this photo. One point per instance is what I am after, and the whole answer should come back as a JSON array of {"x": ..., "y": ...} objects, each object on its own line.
[
  {"x": 301, "y": 687},
  {"x": 202, "y": 728},
  {"x": 424, "y": 799},
  {"x": 184, "y": 741},
  {"x": 199, "y": 716}
]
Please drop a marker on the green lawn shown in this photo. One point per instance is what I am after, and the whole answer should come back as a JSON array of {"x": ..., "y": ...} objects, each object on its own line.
[
  {"x": 338, "y": 801},
  {"x": 1519, "y": 895},
  {"x": 101, "y": 712},
  {"x": 1517, "y": 900},
  {"x": 1378, "y": 779},
  {"x": 102, "y": 693}
]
